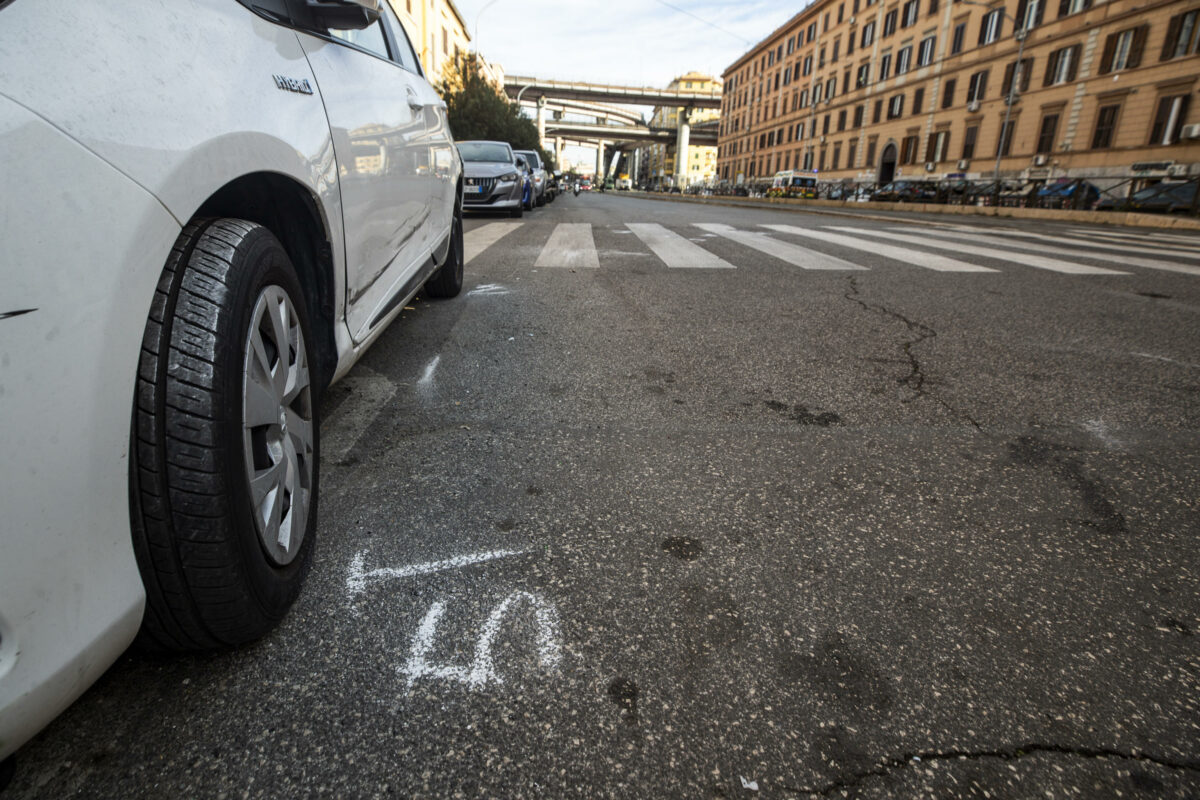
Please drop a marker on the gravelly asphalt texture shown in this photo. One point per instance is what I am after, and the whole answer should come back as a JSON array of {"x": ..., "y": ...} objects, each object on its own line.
[{"x": 761, "y": 532}]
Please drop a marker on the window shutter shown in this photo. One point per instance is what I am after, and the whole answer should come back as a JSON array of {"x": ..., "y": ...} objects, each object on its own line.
[
  {"x": 983, "y": 76},
  {"x": 1172, "y": 37},
  {"x": 1051, "y": 67},
  {"x": 983, "y": 28},
  {"x": 1020, "y": 15},
  {"x": 930, "y": 144},
  {"x": 1138, "y": 46},
  {"x": 1073, "y": 68},
  {"x": 1110, "y": 47},
  {"x": 1026, "y": 71},
  {"x": 1006, "y": 87},
  {"x": 1160, "y": 120},
  {"x": 1040, "y": 12},
  {"x": 1064, "y": 8}
]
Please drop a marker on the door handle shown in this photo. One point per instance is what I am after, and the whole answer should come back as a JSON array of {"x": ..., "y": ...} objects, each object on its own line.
[{"x": 414, "y": 102}]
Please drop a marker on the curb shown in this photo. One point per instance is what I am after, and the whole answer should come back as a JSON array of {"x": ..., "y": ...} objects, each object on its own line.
[{"x": 1112, "y": 219}]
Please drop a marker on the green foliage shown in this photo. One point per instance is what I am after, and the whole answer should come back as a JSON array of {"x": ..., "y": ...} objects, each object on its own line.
[{"x": 479, "y": 110}]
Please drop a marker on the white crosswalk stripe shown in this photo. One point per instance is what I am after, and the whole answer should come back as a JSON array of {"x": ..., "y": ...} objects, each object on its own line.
[
  {"x": 1148, "y": 236},
  {"x": 571, "y": 245},
  {"x": 1039, "y": 262},
  {"x": 785, "y": 251},
  {"x": 1147, "y": 246},
  {"x": 479, "y": 239},
  {"x": 1131, "y": 260},
  {"x": 674, "y": 250},
  {"x": 917, "y": 258}
]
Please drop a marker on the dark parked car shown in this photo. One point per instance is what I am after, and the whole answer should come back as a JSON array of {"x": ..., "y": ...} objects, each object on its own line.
[
  {"x": 1163, "y": 198},
  {"x": 906, "y": 192},
  {"x": 1067, "y": 193}
]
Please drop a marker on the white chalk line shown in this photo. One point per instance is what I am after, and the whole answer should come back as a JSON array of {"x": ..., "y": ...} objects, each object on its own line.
[
  {"x": 359, "y": 575},
  {"x": 426, "y": 378},
  {"x": 482, "y": 671}
]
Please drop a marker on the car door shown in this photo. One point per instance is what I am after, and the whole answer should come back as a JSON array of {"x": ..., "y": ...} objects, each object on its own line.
[{"x": 376, "y": 117}]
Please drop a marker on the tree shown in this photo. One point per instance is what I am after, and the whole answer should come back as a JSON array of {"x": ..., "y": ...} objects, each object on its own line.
[{"x": 477, "y": 109}]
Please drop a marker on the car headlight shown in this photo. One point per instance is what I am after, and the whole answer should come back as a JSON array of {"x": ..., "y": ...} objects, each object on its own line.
[{"x": 512, "y": 176}]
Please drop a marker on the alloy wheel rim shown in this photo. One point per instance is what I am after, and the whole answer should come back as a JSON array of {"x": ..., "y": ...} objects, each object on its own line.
[{"x": 277, "y": 429}]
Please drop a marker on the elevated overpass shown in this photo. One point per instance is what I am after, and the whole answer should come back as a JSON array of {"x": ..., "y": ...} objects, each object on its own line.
[
  {"x": 609, "y": 93},
  {"x": 704, "y": 134}
]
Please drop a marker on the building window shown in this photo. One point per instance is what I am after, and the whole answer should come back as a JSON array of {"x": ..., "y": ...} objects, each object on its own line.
[
  {"x": 925, "y": 53},
  {"x": 1183, "y": 39},
  {"x": 850, "y": 42},
  {"x": 864, "y": 76},
  {"x": 807, "y": 65},
  {"x": 969, "y": 137},
  {"x": 991, "y": 26},
  {"x": 909, "y": 13},
  {"x": 885, "y": 66},
  {"x": 889, "y": 23},
  {"x": 821, "y": 161},
  {"x": 871, "y": 154},
  {"x": 896, "y": 106},
  {"x": 1123, "y": 50},
  {"x": 978, "y": 87},
  {"x": 812, "y": 32},
  {"x": 937, "y": 147},
  {"x": 933, "y": 7},
  {"x": 948, "y": 93},
  {"x": 960, "y": 33},
  {"x": 1029, "y": 14},
  {"x": 837, "y": 155},
  {"x": 830, "y": 88},
  {"x": 821, "y": 58},
  {"x": 1047, "y": 133},
  {"x": 1068, "y": 7},
  {"x": 1025, "y": 68},
  {"x": 804, "y": 98},
  {"x": 445, "y": 41},
  {"x": 816, "y": 94},
  {"x": 808, "y": 161},
  {"x": 841, "y": 13},
  {"x": 837, "y": 46},
  {"x": 851, "y": 152},
  {"x": 1106, "y": 126},
  {"x": 1004, "y": 141},
  {"x": 903, "y": 59},
  {"x": 799, "y": 131},
  {"x": 1062, "y": 65},
  {"x": 791, "y": 45},
  {"x": 918, "y": 99},
  {"x": 841, "y": 125},
  {"x": 858, "y": 115},
  {"x": 868, "y": 34},
  {"x": 908, "y": 150},
  {"x": 1168, "y": 121},
  {"x": 825, "y": 126},
  {"x": 877, "y": 114}
]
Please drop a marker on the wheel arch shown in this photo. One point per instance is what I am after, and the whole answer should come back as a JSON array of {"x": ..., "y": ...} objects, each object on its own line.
[{"x": 290, "y": 211}]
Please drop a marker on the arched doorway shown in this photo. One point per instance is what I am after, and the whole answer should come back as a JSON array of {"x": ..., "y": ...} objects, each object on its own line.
[{"x": 887, "y": 165}]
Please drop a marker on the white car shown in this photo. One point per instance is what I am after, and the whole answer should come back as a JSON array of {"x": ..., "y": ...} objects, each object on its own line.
[{"x": 211, "y": 210}]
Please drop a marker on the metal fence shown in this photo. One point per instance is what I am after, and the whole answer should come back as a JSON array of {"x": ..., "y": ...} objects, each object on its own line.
[{"x": 1100, "y": 193}]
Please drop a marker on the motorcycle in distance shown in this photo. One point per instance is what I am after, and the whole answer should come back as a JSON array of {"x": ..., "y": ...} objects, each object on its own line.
[{"x": 577, "y": 188}]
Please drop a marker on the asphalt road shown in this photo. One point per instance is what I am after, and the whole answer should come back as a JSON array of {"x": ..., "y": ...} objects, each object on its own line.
[{"x": 633, "y": 530}]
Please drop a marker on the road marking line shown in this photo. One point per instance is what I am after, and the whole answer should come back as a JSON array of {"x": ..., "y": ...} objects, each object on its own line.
[
  {"x": 785, "y": 251},
  {"x": 674, "y": 250},
  {"x": 570, "y": 246},
  {"x": 1148, "y": 263},
  {"x": 1147, "y": 247},
  {"x": 916, "y": 258},
  {"x": 369, "y": 393},
  {"x": 1151, "y": 236},
  {"x": 479, "y": 239},
  {"x": 359, "y": 575},
  {"x": 1038, "y": 262}
]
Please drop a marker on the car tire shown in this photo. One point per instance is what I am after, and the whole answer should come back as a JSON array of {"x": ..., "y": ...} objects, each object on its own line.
[
  {"x": 222, "y": 405},
  {"x": 448, "y": 279}
]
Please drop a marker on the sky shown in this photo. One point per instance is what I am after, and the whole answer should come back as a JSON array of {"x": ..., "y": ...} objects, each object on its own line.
[{"x": 632, "y": 42}]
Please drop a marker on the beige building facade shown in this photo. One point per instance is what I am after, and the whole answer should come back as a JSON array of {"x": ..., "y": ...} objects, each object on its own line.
[
  {"x": 873, "y": 90},
  {"x": 658, "y": 160},
  {"x": 437, "y": 31}
]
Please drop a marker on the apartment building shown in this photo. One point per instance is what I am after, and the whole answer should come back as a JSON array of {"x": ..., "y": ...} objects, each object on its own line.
[
  {"x": 878, "y": 89},
  {"x": 437, "y": 31},
  {"x": 658, "y": 160}
]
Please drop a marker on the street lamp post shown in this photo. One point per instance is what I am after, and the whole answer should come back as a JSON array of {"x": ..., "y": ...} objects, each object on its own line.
[
  {"x": 477, "y": 16},
  {"x": 1021, "y": 33}
]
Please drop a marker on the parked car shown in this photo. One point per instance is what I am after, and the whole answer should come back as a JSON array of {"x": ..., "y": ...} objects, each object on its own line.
[
  {"x": 1067, "y": 193},
  {"x": 905, "y": 192},
  {"x": 541, "y": 182},
  {"x": 1163, "y": 198},
  {"x": 184, "y": 273},
  {"x": 493, "y": 181}
]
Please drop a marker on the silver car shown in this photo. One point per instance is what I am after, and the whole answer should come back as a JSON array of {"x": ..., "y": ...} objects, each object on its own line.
[
  {"x": 541, "y": 178},
  {"x": 493, "y": 181}
]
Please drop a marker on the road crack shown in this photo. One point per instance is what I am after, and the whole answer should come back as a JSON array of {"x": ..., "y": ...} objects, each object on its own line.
[
  {"x": 916, "y": 379},
  {"x": 887, "y": 766}
]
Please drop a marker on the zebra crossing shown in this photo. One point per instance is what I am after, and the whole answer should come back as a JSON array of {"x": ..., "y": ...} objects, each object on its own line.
[{"x": 947, "y": 249}]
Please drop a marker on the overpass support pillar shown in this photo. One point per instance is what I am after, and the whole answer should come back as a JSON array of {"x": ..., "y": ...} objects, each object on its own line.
[
  {"x": 558, "y": 151},
  {"x": 600, "y": 162},
  {"x": 681, "y": 149},
  {"x": 541, "y": 122}
]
